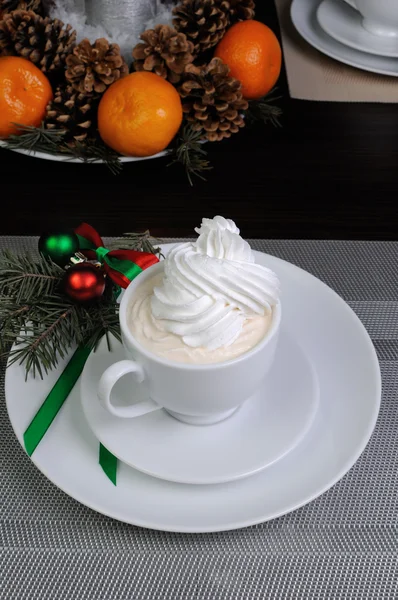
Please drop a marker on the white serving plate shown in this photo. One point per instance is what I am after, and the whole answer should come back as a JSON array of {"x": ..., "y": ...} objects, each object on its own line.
[{"x": 346, "y": 365}]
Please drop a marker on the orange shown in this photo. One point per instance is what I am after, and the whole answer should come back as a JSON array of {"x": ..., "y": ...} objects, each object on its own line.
[
  {"x": 253, "y": 53},
  {"x": 24, "y": 94},
  {"x": 140, "y": 114}
]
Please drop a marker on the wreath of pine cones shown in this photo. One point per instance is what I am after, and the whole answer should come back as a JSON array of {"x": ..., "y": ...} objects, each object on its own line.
[{"x": 181, "y": 53}]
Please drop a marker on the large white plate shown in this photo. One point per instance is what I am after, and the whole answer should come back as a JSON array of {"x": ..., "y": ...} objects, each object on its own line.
[
  {"x": 350, "y": 386},
  {"x": 304, "y": 17},
  {"x": 68, "y": 159}
]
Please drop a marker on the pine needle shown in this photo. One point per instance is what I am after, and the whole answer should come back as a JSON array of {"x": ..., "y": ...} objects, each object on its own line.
[
  {"x": 265, "y": 110},
  {"x": 40, "y": 139},
  {"x": 107, "y": 319},
  {"x": 44, "y": 331},
  {"x": 47, "y": 336},
  {"x": 23, "y": 277},
  {"x": 142, "y": 242},
  {"x": 94, "y": 150},
  {"x": 189, "y": 151},
  {"x": 35, "y": 139},
  {"x": 41, "y": 322}
]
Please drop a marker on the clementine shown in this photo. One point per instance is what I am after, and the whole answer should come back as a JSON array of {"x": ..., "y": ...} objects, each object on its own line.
[
  {"x": 140, "y": 114},
  {"x": 253, "y": 53},
  {"x": 24, "y": 94}
]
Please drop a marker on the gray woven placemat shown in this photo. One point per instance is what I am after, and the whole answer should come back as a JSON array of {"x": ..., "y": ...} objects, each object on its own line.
[{"x": 343, "y": 545}]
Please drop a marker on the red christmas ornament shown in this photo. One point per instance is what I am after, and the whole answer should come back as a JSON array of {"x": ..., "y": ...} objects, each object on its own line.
[{"x": 84, "y": 282}]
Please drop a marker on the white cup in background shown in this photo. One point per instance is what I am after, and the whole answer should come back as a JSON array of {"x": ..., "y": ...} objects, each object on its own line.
[{"x": 379, "y": 17}]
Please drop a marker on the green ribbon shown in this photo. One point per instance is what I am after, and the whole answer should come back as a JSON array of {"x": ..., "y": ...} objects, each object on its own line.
[
  {"x": 53, "y": 403},
  {"x": 101, "y": 252},
  {"x": 125, "y": 267},
  {"x": 121, "y": 265},
  {"x": 108, "y": 463}
]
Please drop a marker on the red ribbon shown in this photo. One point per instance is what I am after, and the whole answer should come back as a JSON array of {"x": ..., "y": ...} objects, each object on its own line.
[{"x": 122, "y": 266}]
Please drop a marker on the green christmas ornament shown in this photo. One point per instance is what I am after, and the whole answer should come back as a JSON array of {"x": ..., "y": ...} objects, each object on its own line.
[{"x": 60, "y": 246}]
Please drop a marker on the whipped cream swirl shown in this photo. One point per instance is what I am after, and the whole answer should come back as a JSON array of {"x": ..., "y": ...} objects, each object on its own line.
[{"x": 212, "y": 286}]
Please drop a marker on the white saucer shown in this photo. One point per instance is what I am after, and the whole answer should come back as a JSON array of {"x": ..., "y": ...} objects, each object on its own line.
[
  {"x": 344, "y": 24},
  {"x": 349, "y": 382},
  {"x": 304, "y": 17},
  {"x": 262, "y": 431}
]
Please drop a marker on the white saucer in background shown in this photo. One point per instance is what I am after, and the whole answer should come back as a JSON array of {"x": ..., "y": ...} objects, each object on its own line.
[
  {"x": 346, "y": 365},
  {"x": 343, "y": 23},
  {"x": 304, "y": 17}
]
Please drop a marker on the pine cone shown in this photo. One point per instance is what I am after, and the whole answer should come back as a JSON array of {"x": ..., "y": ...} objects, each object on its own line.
[
  {"x": 164, "y": 52},
  {"x": 212, "y": 100},
  {"x": 73, "y": 112},
  {"x": 92, "y": 68},
  {"x": 45, "y": 42},
  {"x": 40, "y": 7},
  {"x": 204, "y": 22},
  {"x": 241, "y": 10}
]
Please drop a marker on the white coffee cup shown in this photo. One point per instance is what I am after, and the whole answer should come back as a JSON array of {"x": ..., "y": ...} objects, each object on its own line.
[
  {"x": 197, "y": 394},
  {"x": 379, "y": 17}
]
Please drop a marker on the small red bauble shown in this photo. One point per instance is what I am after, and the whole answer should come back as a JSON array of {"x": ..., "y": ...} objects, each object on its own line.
[{"x": 84, "y": 282}]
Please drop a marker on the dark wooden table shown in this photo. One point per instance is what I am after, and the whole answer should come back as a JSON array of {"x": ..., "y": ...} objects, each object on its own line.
[{"x": 330, "y": 172}]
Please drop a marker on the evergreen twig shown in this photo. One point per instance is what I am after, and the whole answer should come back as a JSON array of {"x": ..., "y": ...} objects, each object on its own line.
[
  {"x": 24, "y": 277},
  {"x": 187, "y": 148},
  {"x": 49, "y": 329},
  {"x": 103, "y": 318},
  {"x": 35, "y": 139},
  {"x": 94, "y": 150},
  {"x": 12, "y": 321},
  {"x": 42, "y": 332},
  {"x": 40, "y": 323},
  {"x": 40, "y": 139},
  {"x": 40, "y": 320},
  {"x": 189, "y": 151},
  {"x": 265, "y": 110},
  {"x": 144, "y": 242}
]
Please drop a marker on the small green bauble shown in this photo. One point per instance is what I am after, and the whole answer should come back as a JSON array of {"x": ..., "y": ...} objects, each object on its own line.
[{"x": 60, "y": 246}]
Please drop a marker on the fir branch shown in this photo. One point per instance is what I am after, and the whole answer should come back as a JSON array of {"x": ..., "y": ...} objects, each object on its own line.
[
  {"x": 106, "y": 319},
  {"x": 12, "y": 318},
  {"x": 44, "y": 330},
  {"x": 12, "y": 321},
  {"x": 18, "y": 313},
  {"x": 24, "y": 277},
  {"x": 91, "y": 151},
  {"x": 265, "y": 110},
  {"x": 50, "y": 327},
  {"x": 51, "y": 141},
  {"x": 143, "y": 242},
  {"x": 35, "y": 139},
  {"x": 51, "y": 331},
  {"x": 47, "y": 345},
  {"x": 188, "y": 150},
  {"x": 41, "y": 322}
]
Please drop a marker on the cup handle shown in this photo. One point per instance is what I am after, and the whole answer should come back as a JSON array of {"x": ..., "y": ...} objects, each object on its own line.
[
  {"x": 351, "y": 3},
  {"x": 108, "y": 380}
]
